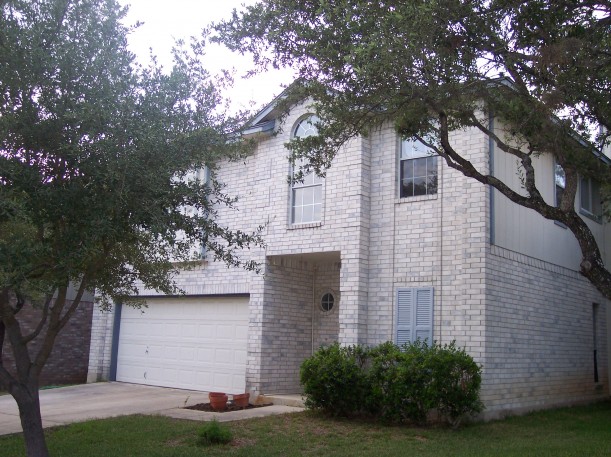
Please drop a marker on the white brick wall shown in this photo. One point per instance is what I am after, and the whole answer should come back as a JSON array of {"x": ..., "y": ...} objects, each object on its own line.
[
  {"x": 101, "y": 344},
  {"x": 513, "y": 315},
  {"x": 539, "y": 338}
]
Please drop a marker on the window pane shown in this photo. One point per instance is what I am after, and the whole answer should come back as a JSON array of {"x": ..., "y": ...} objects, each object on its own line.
[
  {"x": 308, "y": 196},
  {"x": 306, "y": 127},
  {"x": 307, "y": 204},
  {"x": 418, "y": 177},
  {"x": 316, "y": 213},
  {"x": 298, "y": 197},
  {"x": 308, "y": 213},
  {"x": 431, "y": 165},
  {"x": 308, "y": 179},
  {"x": 407, "y": 188},
  {"x": 585, "y": 194},
  {"x": 419, "y": 167},
  {"x": 414, "y": 149},
  {"x": 318, "y": 194},
  {"x": 432, "y": 184},
  {"x": 407, "y": 169},
  {"x": 596, "y": 198},
  {"x": 419, "y": 186},
  {"x": 296, "y": 214},
  {"x": 307, "y": 193},
  {"x": 560, "y": 180},
  {"x": 559, "y": 176}
]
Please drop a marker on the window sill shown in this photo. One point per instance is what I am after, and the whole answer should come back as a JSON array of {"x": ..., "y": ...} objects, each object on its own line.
[
  {"x": 419, "y": 198},
  {"x": 303, "y": 226},
  {"x": 591, "y": 216},
  {"x": 560, "y": 224}
]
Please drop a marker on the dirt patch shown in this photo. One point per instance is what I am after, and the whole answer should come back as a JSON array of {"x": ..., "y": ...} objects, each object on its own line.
[
  {"x": 230, "y": 407},
  {"x": 242, "y": 442}
]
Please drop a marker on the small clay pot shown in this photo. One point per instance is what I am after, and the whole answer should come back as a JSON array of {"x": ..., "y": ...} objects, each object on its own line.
[
  {"x": 241, "y": 400},
  {"x": 218, "y": 402}
]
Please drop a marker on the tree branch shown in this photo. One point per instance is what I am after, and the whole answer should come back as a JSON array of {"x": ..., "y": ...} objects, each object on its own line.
[
  {"x": 41, "y": 323},
  {"x": 57, "y": 321},
  {"x": 13, "y": 330}
]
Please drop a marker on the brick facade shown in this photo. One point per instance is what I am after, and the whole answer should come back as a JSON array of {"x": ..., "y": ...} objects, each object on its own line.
[
  {"x": 68, "y": 362},
  {"x": 526, "y": 321}
]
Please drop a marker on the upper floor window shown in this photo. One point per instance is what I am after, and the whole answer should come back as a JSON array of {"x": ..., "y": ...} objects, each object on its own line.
[
  {"x": 306, "y": 194},
  {"x": 418, "y": 175},
  {"x": 560, "y": 181},
  {"x": 589, "y": 197}
]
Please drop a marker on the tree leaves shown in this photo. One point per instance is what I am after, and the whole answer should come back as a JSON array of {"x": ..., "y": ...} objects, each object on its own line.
[
  {"x": 430, "y": 67},
  {"x": 93, "y": 147}
]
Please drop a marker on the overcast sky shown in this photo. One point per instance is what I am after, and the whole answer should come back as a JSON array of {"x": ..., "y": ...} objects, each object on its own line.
[{"x": 165, "y": 21}]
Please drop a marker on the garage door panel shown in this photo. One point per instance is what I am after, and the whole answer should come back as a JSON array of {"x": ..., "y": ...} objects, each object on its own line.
[
  {"x": 206, "y": 330},
  {"x": 204, "y": 354},
  {"x": 172, "y": 329},
  {"x": 189, "y": 331},
  {"x": 241, "y": 331},
  {"x": 186, "y": 343},
  {"x": 240, "y": 358},
  {"x": 187, "y": 354}
]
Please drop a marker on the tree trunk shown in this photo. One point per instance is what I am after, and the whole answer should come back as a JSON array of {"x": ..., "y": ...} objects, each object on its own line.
[{"x": 28, "y": 401}]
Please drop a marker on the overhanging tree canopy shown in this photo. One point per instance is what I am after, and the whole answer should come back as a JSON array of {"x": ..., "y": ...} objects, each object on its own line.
[
  {"x": 98, "y": 165},
  {"x": 431, "y": 66}
]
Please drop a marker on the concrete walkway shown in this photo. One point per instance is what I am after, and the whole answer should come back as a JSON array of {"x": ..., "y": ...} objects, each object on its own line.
[{"x": 66, "y": 405}]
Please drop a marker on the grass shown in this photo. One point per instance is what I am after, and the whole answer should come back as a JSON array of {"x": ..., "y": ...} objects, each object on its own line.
[{"x": 579, "y": 431}]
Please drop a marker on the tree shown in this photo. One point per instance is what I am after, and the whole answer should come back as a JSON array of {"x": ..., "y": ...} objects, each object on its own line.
[
  {"x": 431, "y": 66},
  {"x": 98, "y": 164}
]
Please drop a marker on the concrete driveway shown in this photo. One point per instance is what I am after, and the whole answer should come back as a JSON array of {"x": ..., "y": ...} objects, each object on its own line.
[{"x": 65, "y": 405}]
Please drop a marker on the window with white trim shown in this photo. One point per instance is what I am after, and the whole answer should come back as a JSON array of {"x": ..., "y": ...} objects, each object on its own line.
[
  {"x": 560, "y": 183},
  {"x": 418, "y": 170},
  {"x": 589, "y": 198},
  {"x": 414, "y": 318},
  {"x": 200, "y": 176},
  {"x": 306, "y": 194}
]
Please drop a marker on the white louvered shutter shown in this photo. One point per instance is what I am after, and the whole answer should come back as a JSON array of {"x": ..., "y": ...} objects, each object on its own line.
[
  {"x": 414, "y": 315},
  {"x": 423, "y": 328},
  {"x": 405, "y": 306}
]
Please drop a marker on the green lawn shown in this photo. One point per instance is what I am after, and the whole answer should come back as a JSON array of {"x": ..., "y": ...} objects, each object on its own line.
[{"x": 581, "y": 431}]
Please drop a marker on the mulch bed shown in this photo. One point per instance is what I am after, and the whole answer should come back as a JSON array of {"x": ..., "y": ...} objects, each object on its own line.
[{"x": 230, "y": 407}]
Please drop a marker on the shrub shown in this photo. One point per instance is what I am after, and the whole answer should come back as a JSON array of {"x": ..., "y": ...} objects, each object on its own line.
[
  {"x": 455, "y": 380},
  {"x": 396, "y": 383},
  {"x": 399, "y": 381},
  {"x": 334, "y": 380},
  {"x": 213, "y": 433}
]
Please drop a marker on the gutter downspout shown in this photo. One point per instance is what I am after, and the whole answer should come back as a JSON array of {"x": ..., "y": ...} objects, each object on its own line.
[
  {"x": 491, "y": 171},
  {"x": 313, "y": 306}
]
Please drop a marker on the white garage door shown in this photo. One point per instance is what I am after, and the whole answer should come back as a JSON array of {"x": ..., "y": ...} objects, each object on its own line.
[{"x": 189, "y": 343}]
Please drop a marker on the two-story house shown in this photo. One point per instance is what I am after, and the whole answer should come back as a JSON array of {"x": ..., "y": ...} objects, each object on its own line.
[{"x": 391, "y": 245}]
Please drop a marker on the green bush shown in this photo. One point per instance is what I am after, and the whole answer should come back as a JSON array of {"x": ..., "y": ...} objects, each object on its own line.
[
  {"x": 334, "y": 380},
  {"x": 213, "y": 433},
  {"x": 455, "y": 381},
  {"x": 396, "y": 383},
  {"x": 399, "y": 382}
]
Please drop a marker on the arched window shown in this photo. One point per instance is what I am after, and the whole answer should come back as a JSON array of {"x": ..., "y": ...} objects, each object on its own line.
[{"x": 306, "y": 194}]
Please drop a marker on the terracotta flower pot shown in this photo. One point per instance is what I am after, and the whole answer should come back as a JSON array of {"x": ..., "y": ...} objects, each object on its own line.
[
  {"x": 241, "y": 400},
  {"x": 218, "y": 401}
]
